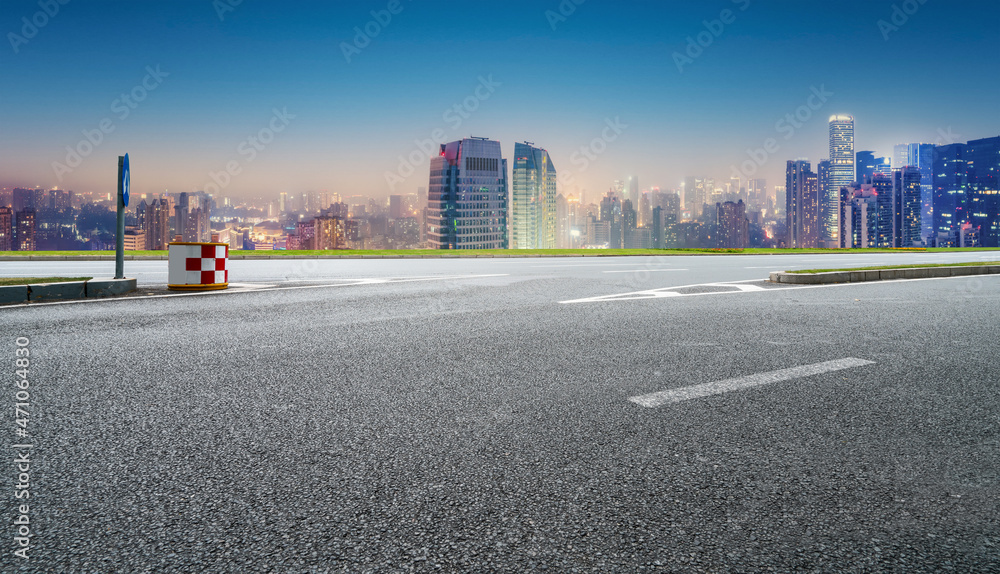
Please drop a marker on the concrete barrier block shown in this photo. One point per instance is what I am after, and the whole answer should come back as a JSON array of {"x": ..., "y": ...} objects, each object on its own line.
[
  {"x": 109, "y": 287},
  {"x": 863, "y": 276},
  {"x": 913, "y": 273},
  {"x": 993, "y": 269},
  {"x": 57, "y": 291},
  {"x": 835, "y": 277},
  {"x": 775, "y": 277},
  {"x": 935, "y": 272},
  {"x": 13, "y": 294},
  {"x": 890, "y": 274},
  {"x": 964, "y": 271}
]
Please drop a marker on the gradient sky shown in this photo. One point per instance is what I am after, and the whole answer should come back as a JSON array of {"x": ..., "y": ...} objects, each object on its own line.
[{"x": 558, "y": 87}]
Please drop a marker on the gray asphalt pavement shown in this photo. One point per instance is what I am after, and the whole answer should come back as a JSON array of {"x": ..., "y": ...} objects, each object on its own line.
[{"x": 475, "y": 416}]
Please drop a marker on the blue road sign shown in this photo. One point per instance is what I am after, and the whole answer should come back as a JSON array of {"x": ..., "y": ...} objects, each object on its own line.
[{"x": 125, "y": 182}]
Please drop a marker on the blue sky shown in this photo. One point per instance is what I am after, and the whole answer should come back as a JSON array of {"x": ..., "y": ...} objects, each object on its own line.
[{"x": 555, "y": 85}]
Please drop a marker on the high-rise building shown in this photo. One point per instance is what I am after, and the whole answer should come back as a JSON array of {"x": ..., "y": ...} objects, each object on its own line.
[
  {"x": 920, "y": 156},
  {"x": 864, "y": 167},
  {"x": 633, "y": 190},
  {"x": 395, "y": 206},
  {"x": 829, "y": 236},
  {"x": 885, "y": 205},
  {"x": 6, "y": 229},
  {"x": 23, "y": 199},
  {"x": 757, "y": 194},
  {"x": 467, "y": 196},
  {"x": 733, "y": 225},
  {"x": 283, "y": 202},
  {"x": 802, "y": 205},
  {"x": 951, "y": 193},
  {"x": 533, "y": 199},
  {"x": 645, "y": 211},
  {"x": 907, "y": 207},
  {"x": 842, "y": 164},
  {"x": 983, "y": 163},
  {"x": 24, "y": 229},
  {"x": 900, "y": 156},
  {"x": 154, "y": 221}
]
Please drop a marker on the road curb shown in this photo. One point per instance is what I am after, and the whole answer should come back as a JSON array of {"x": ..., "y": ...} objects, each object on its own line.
[
  {"x": 65, "y": 291},
  {"x": 865, "y": 276}
]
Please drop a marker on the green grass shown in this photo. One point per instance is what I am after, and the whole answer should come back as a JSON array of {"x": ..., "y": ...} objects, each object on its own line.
[
  {"x": 512, "y": 253},
  {"x": 8, "y": 281},
  {"x": 885, "y": 267}
]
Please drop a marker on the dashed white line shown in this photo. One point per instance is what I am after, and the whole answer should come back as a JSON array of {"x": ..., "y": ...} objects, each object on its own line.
[{"x": 661, "y": 398}]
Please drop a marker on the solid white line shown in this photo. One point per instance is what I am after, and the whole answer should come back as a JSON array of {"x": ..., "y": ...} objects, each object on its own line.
[
  {"x": 355, "y": 283},
  {"x": 717, "y": 388},
  {"x": 644, "y": 270}
]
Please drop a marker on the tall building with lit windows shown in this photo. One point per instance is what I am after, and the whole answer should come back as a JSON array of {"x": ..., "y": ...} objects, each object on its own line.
[
  {"x": 802, "y": 205},
  {"x": 842, "y": 164},
  {"x": 467, "y": 196},
  {"x": 533, "y": 199},
  {"x": 6, "y": 229}
]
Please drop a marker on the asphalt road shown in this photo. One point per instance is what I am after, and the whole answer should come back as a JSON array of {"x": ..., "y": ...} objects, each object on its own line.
[{"x": 475, "y": 416}]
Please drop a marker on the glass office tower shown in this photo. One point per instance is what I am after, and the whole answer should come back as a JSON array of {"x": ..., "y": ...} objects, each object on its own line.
[
  {"x": 467, "y": 196},
  {"x": 533, "y": 204}
]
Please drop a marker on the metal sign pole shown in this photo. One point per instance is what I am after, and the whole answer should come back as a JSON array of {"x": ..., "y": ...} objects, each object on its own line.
[{"x": 120, "y": 235}]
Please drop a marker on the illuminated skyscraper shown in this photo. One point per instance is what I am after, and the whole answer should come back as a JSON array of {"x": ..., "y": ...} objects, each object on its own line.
[
  {"x": 24, "y": 227},
  {"x": 6, "y": 229},
  {"x": 533, "y": 205},
  {"x": 801, "y": 205},
  {"x": 842, "y": 161},
  {"x": 907, "y": 208},
  {"x": 951, "y": 193},
  {"x": 467, "y": 196}
]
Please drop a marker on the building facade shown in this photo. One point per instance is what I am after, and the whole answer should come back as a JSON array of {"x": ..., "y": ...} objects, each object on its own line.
[
  {"x": 533, "y": 199},
  {"x": 467, "y": 196},
  {"x": 842, "y": 165},
  {"x": 801, "y": 205}
]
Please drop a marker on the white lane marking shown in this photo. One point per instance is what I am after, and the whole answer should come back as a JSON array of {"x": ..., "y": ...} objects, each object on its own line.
[
  {"x": 665, "y": 293},
  {"x": 644, "y": 270},
  {"x": 670, "y": 292},
  {"x": 239, "y": 291},
  {"x": 661, "y": 398},
  {"x": 584, "y": 265}
]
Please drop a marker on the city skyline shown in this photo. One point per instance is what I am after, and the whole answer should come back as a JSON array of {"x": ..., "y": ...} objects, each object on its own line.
[{"x": 621, "y": 92}]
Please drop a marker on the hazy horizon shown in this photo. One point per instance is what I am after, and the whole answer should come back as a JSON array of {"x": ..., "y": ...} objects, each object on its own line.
[{"x": 214, "y": 75}]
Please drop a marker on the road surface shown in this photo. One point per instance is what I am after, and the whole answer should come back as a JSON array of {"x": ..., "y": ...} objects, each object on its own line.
[{"x": 569, "y": 415}]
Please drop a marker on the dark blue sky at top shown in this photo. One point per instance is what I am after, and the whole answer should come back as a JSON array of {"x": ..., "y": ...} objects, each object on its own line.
[{"x": 557, "y": 87}]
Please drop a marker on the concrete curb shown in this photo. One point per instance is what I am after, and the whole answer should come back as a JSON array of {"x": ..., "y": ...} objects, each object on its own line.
[
  {"x": 69, "y": 290},
  {"x": 882, "y": 274}
]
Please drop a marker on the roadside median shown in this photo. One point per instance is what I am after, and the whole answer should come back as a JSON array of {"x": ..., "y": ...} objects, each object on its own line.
[
  {"x": 55, "y": 289},
  {"x": 864, "y": 275}
]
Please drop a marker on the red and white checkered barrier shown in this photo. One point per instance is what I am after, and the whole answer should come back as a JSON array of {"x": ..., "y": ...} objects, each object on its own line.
[{"x": 198, "y": 266}]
